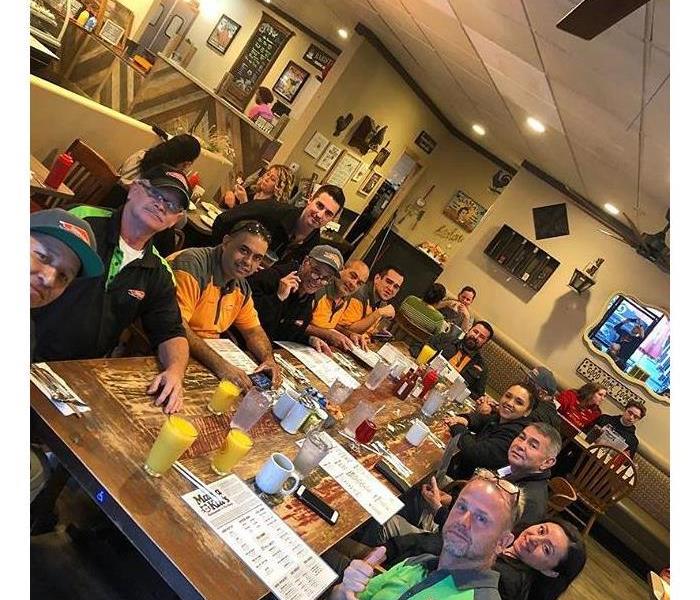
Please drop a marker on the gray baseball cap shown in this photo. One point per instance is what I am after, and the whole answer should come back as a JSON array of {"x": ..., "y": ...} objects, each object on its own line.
[
  {"x": 74, "y": 232},
  {"x": 328, "y": 255},
  {"x": 544, "y": 378}
]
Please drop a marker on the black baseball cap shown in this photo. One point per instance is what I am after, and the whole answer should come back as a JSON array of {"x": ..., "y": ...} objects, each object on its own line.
[
  {"x": 74, "y": 232},
  {"x": 165, "y": 177}
]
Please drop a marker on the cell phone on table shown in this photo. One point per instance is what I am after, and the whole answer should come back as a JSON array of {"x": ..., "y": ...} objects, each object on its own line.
[
  {"x": 261, "y": 381},
  {"x": 382, "y": 336},
  {"x": 323, "y": 510}
]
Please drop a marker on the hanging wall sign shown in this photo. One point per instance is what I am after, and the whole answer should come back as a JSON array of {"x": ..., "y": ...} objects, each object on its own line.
[{"x": 318, "y": 58}]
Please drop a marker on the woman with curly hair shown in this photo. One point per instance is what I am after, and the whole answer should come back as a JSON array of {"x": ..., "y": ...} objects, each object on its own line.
[{"x": 274, "y": 184}]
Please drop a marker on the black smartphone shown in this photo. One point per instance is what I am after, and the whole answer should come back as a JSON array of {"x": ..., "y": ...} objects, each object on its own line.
[
  {"x": 327, "y": 513},
  {"x": 261, "y": 381}
]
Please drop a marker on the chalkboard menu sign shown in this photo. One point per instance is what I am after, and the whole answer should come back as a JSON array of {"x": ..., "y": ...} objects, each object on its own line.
[{"x": 264, "y": 46}]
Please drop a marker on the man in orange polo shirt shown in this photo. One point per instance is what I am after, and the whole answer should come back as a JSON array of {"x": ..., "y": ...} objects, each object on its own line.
[
  {"x": 213, "y": 295},
  {"x": 331, "y": 302}
]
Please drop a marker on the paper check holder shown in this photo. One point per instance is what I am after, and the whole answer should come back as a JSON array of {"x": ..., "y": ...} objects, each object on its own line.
[{"x": 392, "y": 476}]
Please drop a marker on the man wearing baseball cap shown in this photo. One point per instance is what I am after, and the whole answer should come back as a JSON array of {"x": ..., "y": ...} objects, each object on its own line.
[
  {"x": 87, "y": 321},
  {"x": 284, "y": 295},
  {"x": 545, "y": 411}
]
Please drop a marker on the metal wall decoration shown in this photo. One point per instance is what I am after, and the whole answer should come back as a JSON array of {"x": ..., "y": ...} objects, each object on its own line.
[{"x": 619, "y": 392}]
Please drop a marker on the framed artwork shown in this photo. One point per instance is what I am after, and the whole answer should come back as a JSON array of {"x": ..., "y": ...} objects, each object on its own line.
[
  {"x": 370, "y": 183},
  {"x": 329, "y": 156},
  {"x": 291, "y": 81},
  {"x": 343, "y": 169},
  {"x": 318, "y": 58},
  {"x": 361, "y": 172},
  {"x": 111, "y": 32},
  {"x": 316, "y": 145},
  {"x": 464, "y": 210},
  {"x": 222, "y": 35}
]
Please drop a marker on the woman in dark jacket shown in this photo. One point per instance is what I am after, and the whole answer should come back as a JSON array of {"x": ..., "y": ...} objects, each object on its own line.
[{"x": 492, "y": 434}]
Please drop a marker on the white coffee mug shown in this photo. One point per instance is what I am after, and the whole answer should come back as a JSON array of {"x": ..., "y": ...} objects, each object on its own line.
[
  {"x": 276, "y": 474},
  {"x": 417, "y": 433}
]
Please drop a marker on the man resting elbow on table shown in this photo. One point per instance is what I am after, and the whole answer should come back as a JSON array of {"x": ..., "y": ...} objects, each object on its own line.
[
  {"x": 370, "y": 304},
  {"x": 88, "y": 319},
  {"x": 213, "y": 295},
  {"x": 284, "y": 295}
]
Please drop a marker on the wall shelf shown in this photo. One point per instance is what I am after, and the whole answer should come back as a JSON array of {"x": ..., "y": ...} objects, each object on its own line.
[{"x": 521, "y": 258}]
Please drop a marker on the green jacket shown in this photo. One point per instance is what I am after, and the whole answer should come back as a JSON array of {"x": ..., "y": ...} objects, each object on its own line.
[{"x": 418, "y": 578}]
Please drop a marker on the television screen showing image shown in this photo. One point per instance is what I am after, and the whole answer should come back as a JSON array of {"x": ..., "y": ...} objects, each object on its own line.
[{"x": 637, "y": 339}]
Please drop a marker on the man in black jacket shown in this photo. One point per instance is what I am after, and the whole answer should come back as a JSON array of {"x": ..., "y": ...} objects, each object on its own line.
[
  {"x": 284, "y": 295},
  {"x": 295, "y": 231},
  {"x": 464, "y": 354},
  {"x": 624, "y": 424},
  {"x": 545, "y": 411}
]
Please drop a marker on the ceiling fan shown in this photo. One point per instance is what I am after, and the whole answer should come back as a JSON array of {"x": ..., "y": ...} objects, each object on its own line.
[
  {"x": 652, "y": 246},
  {"x": 591, "y": 17}
]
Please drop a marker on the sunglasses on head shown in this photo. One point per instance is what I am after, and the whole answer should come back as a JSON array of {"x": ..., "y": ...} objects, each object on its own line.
[
  {"x": 504, "y": 484},
  {"x": 253, "y": 227},
  {"x": 171, "y": 206}
]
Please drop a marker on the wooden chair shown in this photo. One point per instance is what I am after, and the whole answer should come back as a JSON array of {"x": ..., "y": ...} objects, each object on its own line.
[
  {"x": 602, "y": 476},
  {"x": 91, "y": 177},
  {"x": 561, "y": 494}
]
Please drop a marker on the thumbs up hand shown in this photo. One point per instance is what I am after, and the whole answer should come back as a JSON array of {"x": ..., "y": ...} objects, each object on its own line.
[{"x": 359, "y": 572}]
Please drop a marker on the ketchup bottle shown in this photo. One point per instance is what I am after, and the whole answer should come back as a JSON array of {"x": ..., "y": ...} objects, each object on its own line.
[
  {"x": 429, "y": 381},
  {"x": 405, "y": 385},
  {"x": 59, "y": 170}
]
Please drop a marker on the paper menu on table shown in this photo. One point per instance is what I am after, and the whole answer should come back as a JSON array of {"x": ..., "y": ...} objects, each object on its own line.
[
  {"x": 369, "y": 357},
  {"x": 232, "y": 354},
  {"x": 263, "y": 541},
  {"x": 319, "y": 364},
  {"x": 357, "y": 481},
  {"x": 393, "y": 355},
  {"x": 63, "y": 408}
]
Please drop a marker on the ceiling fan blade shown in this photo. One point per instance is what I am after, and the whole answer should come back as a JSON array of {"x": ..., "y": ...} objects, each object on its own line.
[
  {"x": 591, "y": 17},
  {"x": 615, "y": 237},
  {"x": 638, "y": 234}
]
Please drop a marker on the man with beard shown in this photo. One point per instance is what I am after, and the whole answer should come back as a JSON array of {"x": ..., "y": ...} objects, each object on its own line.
[
  {"x": 87, "y": 320},
  {"x": 331, "y": 303},
  {"x": 214, "y": 295},
  {"x": 284, "y": 295},
  {"x": 294, "y": 230},
  {"x": 370, "y": 303},
  {"x": 464, "y": 354},
  {"x": 476, "y": 531}
]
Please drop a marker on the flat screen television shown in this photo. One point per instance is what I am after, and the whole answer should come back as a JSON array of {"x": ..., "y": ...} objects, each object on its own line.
[{"x": 637, "y": 339}]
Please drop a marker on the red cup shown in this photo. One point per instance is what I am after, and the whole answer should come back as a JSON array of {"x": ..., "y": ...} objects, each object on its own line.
[{"x": 365, "y": 431}]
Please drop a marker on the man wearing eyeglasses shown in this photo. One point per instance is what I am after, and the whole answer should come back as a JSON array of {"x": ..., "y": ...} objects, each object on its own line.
[
  {"x": 477, "y": 529},
  {"x": 87, "y": 320},
  {"x": 295, "y": 231},
  {"x": 214, "y": 295},
  {"x": 284, "y": 295}
]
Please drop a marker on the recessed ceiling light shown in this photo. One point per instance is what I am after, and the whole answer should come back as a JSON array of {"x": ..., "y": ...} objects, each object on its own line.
[
  {"x": 478, "y": 129},
  {"x": 535, "y": 125},
  {"x": 343, "y": 33},
  {"x": 267, "y": 1},
  {"x": 611, "y": 208}
]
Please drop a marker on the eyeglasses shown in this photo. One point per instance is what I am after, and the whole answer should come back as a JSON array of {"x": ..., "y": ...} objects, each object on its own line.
[
  {"x": 318, "y": 275},
  {"x": 171, "y": 206},
  {"x": 253, "y": 227},
  {"x": 504, "y": 484}
]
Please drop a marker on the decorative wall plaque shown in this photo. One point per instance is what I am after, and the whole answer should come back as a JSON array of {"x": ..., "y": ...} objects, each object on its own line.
[{"x": 619, "y": 392}]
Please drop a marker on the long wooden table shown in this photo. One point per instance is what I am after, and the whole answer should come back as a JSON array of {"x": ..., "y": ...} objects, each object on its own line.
[{"x": 105, "y": 451}]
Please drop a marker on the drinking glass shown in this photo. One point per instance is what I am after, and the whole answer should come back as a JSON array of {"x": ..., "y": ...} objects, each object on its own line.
[
  {"x": 365, "y": 432},
  {"x": 253, "y": 406},
  {"x": 311, "y": 453},
  {"x": 236, "y": 445},
  {"x": 338, "y": 393},
  {"x": 432, "y": 403},
  {"x": 176, "y": 436},
  {"x": 363, "y": 410},
  {"x": 377, "y": 375},
  {"x": 224, "y": 396},
  {"x": 426, "y": 353}
]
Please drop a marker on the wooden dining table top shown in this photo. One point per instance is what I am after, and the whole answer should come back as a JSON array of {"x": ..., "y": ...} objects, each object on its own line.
[
  {"x": 106, "y": 448},
  {"x": 37, "y": 185}
]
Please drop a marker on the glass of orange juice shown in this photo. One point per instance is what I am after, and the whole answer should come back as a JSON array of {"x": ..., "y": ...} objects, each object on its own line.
[
  {"x": 176, "y": 436},
  {"x": 236, "y": 445},
  {"x": 426, "y": 353},
  {"x": 224, "y": 396}
]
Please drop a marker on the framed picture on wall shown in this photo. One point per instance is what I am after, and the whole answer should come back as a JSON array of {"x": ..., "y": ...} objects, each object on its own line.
[
  {"x": 370, "y": 183},
  {"x": 329, "y": 156},
  {"x": 222, "y": 35},
  {"x": 361, "y": 172},
  {"x": 343, "y": 169},
  {"x": 316, "y": 145},
  {"x": 291, "y": 81},
  {"x": 464, "y": 210}
]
